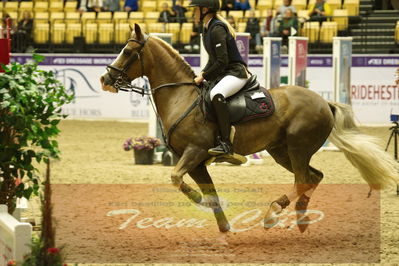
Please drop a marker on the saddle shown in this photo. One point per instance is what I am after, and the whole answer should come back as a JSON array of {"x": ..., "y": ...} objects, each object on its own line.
[{"x": 251, "y": 102}]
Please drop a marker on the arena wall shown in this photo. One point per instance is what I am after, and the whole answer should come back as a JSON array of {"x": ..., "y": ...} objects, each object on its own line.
[{"x": 374, "y": 93}]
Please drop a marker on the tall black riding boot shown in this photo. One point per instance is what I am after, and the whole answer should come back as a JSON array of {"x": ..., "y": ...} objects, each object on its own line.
[{"x": 223, "y": 119}]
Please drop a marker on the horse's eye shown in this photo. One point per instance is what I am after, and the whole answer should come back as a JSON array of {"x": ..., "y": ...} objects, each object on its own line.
[{"x": 127, "y": 51}]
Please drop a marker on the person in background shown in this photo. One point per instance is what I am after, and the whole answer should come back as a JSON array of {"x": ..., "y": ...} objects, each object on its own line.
[
  {"x": 131, "y": 5},
  {"x": 242, "y": 5},
  {"x": 319, "y": 11},
  {"x": 165, "y": 15},
  {"x": 266, "y": 28},
  {"x": 179, "y": 12},
  {"x": 228, "y": 5},
  {"x": 4, "y": 18},
  {"x": 286, "y": 4},
  {"x": 253, "y": 28},
  {"x": 232, "y": 22},
  {"x": 90, "y": 5},
  {"x": 195, "y": 38},
  {"x": 111, "y": 5},
  {"x": 23, "y": 35},
  {"x": 289, "y": 21}
]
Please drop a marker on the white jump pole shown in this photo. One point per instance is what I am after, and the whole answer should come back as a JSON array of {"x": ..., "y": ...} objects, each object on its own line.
[
  {"x": 272, "y": 61},
  {"x": 342, "y": 63},
  {"x": 297, "y": 60}
]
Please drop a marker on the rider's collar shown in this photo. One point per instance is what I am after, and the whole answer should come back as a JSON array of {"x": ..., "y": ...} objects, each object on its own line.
[{"x": 207, "y": 24}]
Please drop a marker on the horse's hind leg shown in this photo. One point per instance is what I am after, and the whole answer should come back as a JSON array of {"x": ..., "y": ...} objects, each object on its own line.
[
  {"x": 210, "y": 198},
  {"x": 303, "y": 190},
  {"x": 302, "y": 203}
]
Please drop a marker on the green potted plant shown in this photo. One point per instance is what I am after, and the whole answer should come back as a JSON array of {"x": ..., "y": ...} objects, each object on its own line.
[
  {"x": 30, "y": 111},
  {"x": 143, "y": 148}
]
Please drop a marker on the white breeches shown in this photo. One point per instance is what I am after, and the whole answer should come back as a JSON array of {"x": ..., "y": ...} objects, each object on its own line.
[{"x": 228, "y": 86}]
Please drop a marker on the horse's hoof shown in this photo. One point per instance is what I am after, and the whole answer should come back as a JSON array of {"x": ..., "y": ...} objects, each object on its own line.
[
  {"x": 223, "y": 228},
  {"x": 303, "y": 223},
  {"x": 271, "y": 217}
]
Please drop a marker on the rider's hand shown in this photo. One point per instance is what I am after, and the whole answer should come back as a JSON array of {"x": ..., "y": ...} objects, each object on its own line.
[{"x": 199, "y": 79}]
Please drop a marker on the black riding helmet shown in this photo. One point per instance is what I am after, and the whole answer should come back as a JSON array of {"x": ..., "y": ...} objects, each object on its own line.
[{"x": 213, "y": 5}]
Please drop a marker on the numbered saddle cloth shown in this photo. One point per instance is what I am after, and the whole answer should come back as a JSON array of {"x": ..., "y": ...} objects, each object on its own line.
[{"x": 251, "y": 102}]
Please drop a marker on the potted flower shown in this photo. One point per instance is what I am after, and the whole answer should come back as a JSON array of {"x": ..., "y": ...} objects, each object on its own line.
[{"x": 143, "y": 148}]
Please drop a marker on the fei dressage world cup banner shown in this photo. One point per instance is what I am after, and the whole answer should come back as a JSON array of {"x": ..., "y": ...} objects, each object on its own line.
[{"x": 374, "y": 94}]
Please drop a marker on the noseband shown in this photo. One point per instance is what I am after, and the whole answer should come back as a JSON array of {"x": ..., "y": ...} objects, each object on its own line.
[{"x": 121, "y": 81}]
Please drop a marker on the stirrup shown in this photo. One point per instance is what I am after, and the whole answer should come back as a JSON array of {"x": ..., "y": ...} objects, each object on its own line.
[{"x": 224, "y": 148}]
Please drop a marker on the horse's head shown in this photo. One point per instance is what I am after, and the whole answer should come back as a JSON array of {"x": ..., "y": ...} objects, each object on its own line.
[{"x": 129, "y": 64}]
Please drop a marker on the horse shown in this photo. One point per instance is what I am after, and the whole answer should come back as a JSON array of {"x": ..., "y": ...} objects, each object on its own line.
[{"x": 300, "y": 125}]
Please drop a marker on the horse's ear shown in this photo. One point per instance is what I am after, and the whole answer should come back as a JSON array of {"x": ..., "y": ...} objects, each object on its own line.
[{"x": 137, "y": 30}]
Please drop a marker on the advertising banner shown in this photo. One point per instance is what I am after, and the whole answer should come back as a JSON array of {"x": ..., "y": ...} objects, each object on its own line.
[
  {"x": 242, "y": 41},
  {"x": 298, "y": 53},
  {"x": 272, "y": 62},
  {"x": 342, "y": 63}
]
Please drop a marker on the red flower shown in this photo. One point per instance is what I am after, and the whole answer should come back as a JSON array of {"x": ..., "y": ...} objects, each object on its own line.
[
  {"x": 11, "y": 263},
  {"x": 53, "y": 250}
]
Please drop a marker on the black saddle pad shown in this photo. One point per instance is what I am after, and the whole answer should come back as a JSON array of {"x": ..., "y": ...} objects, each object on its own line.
[{"x": 251, "y": 102}]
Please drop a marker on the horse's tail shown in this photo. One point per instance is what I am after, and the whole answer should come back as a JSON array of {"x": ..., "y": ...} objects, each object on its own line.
[{"x": 375, "y": 165}]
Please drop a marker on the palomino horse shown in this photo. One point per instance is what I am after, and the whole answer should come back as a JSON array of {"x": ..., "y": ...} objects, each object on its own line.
[{"x": 300, "y": 125}]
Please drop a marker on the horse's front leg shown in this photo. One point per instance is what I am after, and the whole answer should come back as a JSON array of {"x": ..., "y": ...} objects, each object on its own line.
[
  {"x": 210, "y": 199},
  {"x": 191, "y": 158},
  {"x": 192, "y": 162}
]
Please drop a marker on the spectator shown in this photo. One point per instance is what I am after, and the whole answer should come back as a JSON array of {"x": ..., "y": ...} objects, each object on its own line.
[
  {"x": 179, "y": 12},
  {"x": 289, "y": 21},
  {"x": 131, "y": 5},
  {"x": 253, "y": 28},
  {"x": 195, "y": 38},
  {"x": 5, "y": 16},
  {"x": 111, "y": 5},
  {"x": 23, "y": 36},
  {"x": 90, "y": 5},
  {"x": 242, "y": 5},
  {"x": 165, "y": 15},
  {"x": 228, "y": 5},
  {"x": 286, "y": 4},
  {"x": 232, "y": 22},
  {"x": 266, "y": 28},
  {"x": 319, "y": 11}
]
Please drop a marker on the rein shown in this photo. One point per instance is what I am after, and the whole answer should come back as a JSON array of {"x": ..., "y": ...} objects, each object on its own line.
[{"x": 122, "y": 82}]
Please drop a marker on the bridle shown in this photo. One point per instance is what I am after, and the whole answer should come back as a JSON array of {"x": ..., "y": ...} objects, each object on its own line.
[{"x": 123, "y": 83}]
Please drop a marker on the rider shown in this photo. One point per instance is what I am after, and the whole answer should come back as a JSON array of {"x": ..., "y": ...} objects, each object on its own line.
[{"x": 225, "y": 66}]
